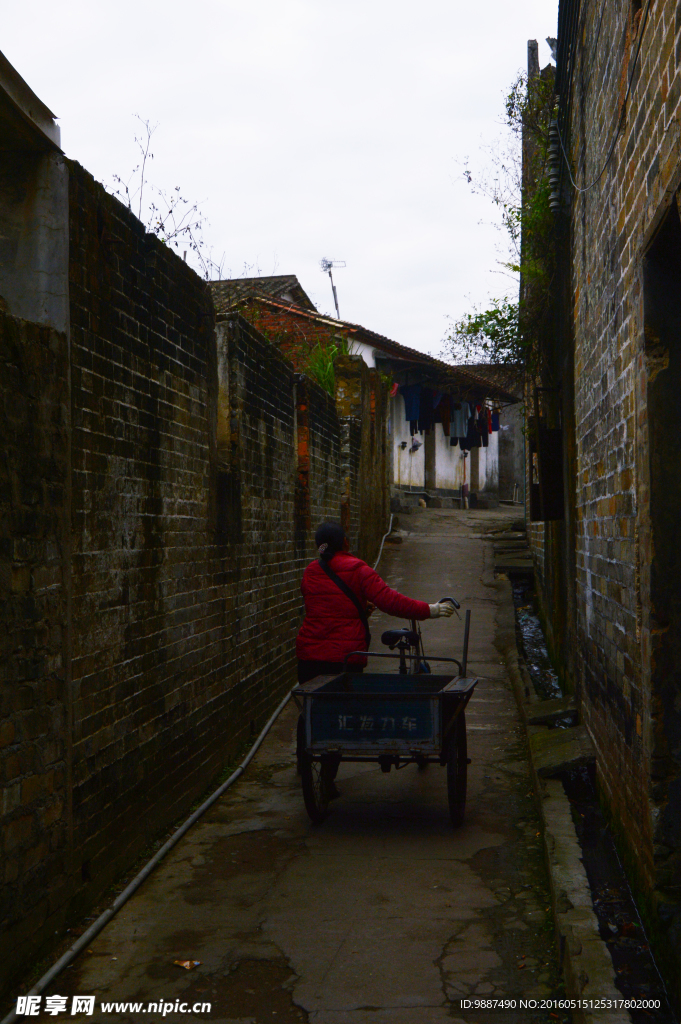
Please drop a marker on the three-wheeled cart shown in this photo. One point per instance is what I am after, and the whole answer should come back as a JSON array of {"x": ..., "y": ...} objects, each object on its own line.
[{"x": 411, "y": 717}]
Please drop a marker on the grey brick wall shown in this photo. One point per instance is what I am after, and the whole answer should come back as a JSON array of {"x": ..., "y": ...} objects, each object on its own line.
[
  {"x": 159, "y": 495},
  {"x": 35, "y": 807}
]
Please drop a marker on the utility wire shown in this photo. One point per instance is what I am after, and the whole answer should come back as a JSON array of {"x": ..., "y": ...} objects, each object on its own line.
[
  {"x": 621, "y": 117},
  {"x": 595, "y": 43}
]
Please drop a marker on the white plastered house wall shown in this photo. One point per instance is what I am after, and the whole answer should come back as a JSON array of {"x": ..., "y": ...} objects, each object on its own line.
[
  {"x": 435, "y": 465},
  {"x": 438, "y": 466},
  {"x": 408, "y": 468}
]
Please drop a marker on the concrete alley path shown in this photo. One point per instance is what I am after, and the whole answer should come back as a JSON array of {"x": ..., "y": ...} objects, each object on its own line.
[{"x": 385, "y": 913}]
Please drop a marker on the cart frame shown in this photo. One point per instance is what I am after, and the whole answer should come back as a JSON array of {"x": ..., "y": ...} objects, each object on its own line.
[{"x": 321, "y": 747}]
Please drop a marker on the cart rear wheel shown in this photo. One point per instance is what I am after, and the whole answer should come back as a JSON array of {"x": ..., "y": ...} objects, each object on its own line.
[
  {"x": 457, "y": 771},
  {"x": 317, "y": 780}
]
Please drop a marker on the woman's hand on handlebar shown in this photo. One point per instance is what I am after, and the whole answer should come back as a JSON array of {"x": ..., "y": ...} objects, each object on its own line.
[{"x": 442, "y": 608}]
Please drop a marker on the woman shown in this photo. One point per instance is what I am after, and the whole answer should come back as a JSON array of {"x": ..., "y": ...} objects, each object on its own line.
[{"x": 340, "y": 591}]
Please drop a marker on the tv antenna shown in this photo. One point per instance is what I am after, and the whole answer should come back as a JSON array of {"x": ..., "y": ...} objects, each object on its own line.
[{"x": 327, "y": 266}]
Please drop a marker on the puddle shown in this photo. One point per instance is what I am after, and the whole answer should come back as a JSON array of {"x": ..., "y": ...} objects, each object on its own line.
[
  {"x": 531, "y": 643},
  {"x": 619, "y": 922}
]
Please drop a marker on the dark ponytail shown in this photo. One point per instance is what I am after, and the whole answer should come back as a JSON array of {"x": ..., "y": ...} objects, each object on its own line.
[{"x": 329, "y": 538}]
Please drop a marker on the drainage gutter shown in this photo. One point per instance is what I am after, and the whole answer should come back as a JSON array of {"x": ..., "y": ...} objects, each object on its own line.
[{"x": 586, "y": 963}]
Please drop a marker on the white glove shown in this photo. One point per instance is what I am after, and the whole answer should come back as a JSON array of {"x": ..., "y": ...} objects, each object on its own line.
[{"x": 436, "y": 610}]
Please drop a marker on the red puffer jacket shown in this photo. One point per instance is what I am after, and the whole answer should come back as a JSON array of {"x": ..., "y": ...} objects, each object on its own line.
[{"x": 332, "y": 626}]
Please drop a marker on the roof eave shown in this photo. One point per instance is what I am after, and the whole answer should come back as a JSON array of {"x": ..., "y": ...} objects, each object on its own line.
[{"x": 29, "y": 107}]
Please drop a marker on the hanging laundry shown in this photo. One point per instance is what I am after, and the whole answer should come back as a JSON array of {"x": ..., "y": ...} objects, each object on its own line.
[
  {"x": 495, "y": 420},
  {"x": 437, "y": 398},
  {"x": 472, "y": 438},
  {"x": 483, "y": 427},
  {"x": 426, "y": 409},
  {"x": 412, "y": 400},
  {"x": 460, "y": 416},
  {"x": 445, "y": 415},
  {"x": 453, "y": 442}
]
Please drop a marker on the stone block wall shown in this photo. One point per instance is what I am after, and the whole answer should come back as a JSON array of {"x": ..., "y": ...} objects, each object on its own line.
[{"x": 161, "y": 485}]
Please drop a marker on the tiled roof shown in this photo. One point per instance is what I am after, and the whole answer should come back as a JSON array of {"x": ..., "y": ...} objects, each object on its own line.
[
  {"x": 463, "y": 379},
  {"x": 284, "y": 287}
]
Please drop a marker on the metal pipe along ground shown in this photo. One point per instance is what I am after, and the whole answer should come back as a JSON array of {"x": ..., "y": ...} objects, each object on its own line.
[
  {"x": 97, "y": 926},
  {"x": 380, "y": 552}
]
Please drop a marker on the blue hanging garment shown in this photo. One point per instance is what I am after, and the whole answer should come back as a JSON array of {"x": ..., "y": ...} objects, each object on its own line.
[
  {"x": 411, "y": 394},
  {"x": 426, "y": 414}
]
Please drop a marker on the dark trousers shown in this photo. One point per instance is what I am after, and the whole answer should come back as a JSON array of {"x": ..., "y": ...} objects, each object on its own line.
[{"x": 309, "y": 669}]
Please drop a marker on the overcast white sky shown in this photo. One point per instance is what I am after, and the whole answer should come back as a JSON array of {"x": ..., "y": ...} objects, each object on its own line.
[{"x": 307, "y": 128}]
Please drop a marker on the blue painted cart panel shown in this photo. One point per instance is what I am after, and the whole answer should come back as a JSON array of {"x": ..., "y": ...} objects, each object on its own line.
[
  {"x": 371, "y": 712},
  {"x": 398, "y": 724}
]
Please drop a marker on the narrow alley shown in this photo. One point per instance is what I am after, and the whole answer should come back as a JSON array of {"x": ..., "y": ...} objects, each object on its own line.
[
  {"x": 384, "y": 913},
  {"x": 190, "y": 418}
]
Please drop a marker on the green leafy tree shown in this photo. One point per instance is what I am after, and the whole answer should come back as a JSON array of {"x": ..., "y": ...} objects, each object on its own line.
[
  {"x": 487, "y": 335},
  {"x": 509, "y": 330}
]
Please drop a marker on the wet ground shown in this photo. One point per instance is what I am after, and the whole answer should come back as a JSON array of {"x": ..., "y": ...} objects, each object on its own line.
[{"x": 384, "y": 913}]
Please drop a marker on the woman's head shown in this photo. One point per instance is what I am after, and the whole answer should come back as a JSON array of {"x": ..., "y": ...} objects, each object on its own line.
[{"x": 329, "y": 538}]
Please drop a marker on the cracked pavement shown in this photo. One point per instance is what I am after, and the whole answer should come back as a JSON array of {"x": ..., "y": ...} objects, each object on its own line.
[{"x": 384, "y": 913}]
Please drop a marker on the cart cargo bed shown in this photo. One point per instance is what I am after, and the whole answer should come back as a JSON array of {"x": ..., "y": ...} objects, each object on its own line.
[{"x": 370, "y": 713}]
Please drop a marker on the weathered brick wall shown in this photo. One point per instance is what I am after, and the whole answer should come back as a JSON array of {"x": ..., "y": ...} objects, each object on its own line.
[
  {"x": 627, "y": 372},
  {"x": 34, "y": 710},
  {"x": 149, "y": 618},
  {"x": 294, "y": 333},
  {"x": 319, "y": 474},
  {"x": 536, "y": 531},
  {"x": 152, "y": 548},
  {"x": 607, "y": 229},
  {"x": 259, "y": 568},
  {"x": 362, "y": 402},
  {"x": 511, "y": 452},
  {"x": 360, "y": 394}
]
